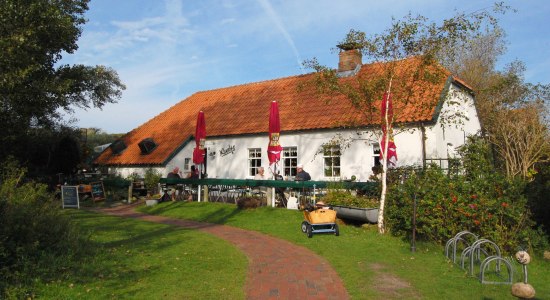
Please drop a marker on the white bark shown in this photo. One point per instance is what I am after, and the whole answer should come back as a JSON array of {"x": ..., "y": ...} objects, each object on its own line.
[{"x": 381, "y": 224}]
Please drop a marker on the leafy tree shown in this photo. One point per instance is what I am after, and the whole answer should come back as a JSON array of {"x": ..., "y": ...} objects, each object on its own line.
[
  {"x": 513, "y": 113},
  {"x": 93, "y": 137},
  {"x": 34, "y": 87},
  {"x": 406, "y": 38}
]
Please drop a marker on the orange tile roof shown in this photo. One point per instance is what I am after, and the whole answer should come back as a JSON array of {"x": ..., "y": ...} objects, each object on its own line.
[{"x": 244, "y": 109}]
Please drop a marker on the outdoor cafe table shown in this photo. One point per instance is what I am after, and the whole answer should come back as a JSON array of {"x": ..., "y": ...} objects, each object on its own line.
[{"x": 241, "y": 184}]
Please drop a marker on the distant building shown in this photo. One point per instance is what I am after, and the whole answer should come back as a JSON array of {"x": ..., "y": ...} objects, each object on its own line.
[
  {"x": 237, "y": 128},
  {"x": 101, "y": 148}
]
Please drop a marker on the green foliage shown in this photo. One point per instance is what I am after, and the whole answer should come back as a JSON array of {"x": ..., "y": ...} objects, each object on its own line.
[
  {"x": 249, "y": 202},
  {"x": 538, "y": 193},
  {"x": 36, "y": 239},
  {"x": 481, "y": 200},
  {"x": 133, "y": 177},
  {"x": 151, "y": 179},
  {"x": 35, "y": 89},
  {"x": 338, "y": 195}
]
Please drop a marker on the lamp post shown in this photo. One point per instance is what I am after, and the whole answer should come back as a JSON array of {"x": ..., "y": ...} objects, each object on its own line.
[{"x": 413, "y": 242}]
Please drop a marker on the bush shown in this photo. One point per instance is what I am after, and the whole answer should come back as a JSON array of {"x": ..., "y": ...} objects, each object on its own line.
[
  {"x": 538, "y": 193},
  {"x": 479, "y": 200},
  {"x": 248, "y": 202},
  {"x": 337, "y": 195},
  {"x": 152, "y": 178},
  {"x": 36, "y": 239}
]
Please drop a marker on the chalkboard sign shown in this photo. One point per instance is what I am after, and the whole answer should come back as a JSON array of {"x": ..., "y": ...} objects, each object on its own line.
[
  {"x": 98, "y": 192},
  {"x": 69, "y": 196}
]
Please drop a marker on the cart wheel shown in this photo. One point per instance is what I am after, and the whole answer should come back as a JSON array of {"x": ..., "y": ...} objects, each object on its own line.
[
  {"x": 309, "y": 231},
  {"x": 336, "y": 230},
  {"x": 304, "y": 226}
]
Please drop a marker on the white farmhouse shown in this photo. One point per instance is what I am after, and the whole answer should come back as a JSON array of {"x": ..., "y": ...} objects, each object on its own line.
[{"x": 433, "y": 121}]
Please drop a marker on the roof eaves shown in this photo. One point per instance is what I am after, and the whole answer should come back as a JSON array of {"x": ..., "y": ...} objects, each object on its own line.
[
  {"x": 127, "y": 165},
  {"x": 442, "y": 97},
  {"x": 178, "y": 149}
]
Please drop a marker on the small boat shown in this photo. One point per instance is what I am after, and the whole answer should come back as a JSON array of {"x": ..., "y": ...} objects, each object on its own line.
[{"x": 369, "y": 215}]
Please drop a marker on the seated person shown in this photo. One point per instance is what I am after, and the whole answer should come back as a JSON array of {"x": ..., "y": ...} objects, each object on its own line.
[
  {"x": 260, "y": 175},
  {"x": 170, "y": 188},
  {"x": 175, "y": 173},
  {"x": 194, "y": 173},
  {"x": 301, "y": 175}
]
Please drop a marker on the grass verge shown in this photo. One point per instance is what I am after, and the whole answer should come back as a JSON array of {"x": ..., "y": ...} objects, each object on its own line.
[{"x": 140, "y": 260}]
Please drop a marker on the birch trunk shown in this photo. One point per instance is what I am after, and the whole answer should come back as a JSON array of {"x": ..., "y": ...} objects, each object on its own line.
[{"x": 381, "y": 224}]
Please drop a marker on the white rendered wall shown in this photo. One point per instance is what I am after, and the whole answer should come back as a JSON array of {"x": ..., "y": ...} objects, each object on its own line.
[
  {"x": 443, "y": 141},
  {"x": 228, "y": 156},
  {"x": 231, "y": 153}
]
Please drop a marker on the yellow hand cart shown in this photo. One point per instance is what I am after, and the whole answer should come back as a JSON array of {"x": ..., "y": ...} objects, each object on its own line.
[{"x": 321, "y": 220}]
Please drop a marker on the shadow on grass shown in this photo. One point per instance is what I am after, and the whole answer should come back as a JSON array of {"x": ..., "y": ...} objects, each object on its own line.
[
  {"x": 203, "y": 212},
  {"x": 122, "y": 257}
]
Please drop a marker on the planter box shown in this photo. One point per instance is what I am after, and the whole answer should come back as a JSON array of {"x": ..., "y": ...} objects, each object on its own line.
[
  {"x": 151, "y": 202},
  {"x": 369, "y": 215}
]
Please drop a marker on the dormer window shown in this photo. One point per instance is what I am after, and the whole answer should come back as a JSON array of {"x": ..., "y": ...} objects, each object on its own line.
[
  {"x": 117, "y": 147},
  {"x": 147, "y": 146}
]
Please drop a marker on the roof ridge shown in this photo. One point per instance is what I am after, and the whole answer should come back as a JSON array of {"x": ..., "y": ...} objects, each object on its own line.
[{"x": 250, "y": 84}]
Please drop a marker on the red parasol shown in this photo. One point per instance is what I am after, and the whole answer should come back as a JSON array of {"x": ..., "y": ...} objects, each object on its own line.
[
  {"x": 200, "y": 138},
  {"x": 274, "y": 148},
  {"x": 387, "y": 111}
]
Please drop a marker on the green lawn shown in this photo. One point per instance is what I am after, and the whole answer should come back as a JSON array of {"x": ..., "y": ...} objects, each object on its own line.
[
  {"x": 366, "y": 260},
  {"x": 140, "y": 260}
]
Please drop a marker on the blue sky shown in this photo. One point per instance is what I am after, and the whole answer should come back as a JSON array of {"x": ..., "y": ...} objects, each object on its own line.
[{"x": 166, "y": 50}]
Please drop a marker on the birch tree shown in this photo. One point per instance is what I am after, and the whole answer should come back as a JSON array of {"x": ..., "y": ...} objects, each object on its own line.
[{"x": 411, "y": 37}]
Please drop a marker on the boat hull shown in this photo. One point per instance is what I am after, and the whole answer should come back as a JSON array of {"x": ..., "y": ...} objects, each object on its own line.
[{"x": 369, "y": 215}]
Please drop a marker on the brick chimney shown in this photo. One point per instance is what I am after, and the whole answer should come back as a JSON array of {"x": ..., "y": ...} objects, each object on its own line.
[{"x": 349, "y": 59}]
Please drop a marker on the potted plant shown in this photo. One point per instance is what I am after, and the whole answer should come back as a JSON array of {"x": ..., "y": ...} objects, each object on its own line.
[
  {"x": 349, "y": 205},
  {"x": 151, "y": 180}
]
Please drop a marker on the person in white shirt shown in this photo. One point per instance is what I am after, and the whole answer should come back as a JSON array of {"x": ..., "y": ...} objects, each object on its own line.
[{"x": 260, "y": 174}]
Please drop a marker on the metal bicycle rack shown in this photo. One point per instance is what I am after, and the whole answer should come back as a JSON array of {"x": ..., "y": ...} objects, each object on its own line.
[
  {"x": 475, "y": 249},
  {"x": 461, "y": 236},
  {"x": 486, "y": 264}
]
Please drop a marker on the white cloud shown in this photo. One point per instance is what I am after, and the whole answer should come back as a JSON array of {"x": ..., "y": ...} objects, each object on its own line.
[
  {"x": 227, "y": 21},
  {"x": 279, "y": 24}
]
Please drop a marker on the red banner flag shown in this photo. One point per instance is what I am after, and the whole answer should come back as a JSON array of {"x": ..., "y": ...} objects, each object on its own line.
[
  {"x": 274, "y": 148},
  {"x": 387, "y": 112},
  {"x": 200, "y": 138}
]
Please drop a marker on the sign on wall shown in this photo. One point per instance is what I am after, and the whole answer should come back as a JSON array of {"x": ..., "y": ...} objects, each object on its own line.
[
  {"x": 69, "y": 196},
  {"x": 229, "y": 150}
]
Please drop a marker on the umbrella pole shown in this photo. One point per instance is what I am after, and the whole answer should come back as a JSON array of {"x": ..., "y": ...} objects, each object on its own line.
[
  {"x": 273, "y": 189},
  {"x": 199, "y": 186}
]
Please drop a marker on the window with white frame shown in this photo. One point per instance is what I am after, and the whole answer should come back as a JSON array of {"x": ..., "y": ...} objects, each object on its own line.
[
  {"x": 290, "y": 161},
  {"x": 376, "y": 155},
  {"x": 186, "y": 163},
  {"x": 331, "y": 158},
  {"x": 254, "y": 160}
]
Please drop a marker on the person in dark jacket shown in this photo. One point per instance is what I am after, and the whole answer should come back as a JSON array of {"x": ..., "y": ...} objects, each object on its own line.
[
  {"x": 194, "y": 173},
  {"x": 301, "y": 175},
  {"x": 171, "y": 191}
]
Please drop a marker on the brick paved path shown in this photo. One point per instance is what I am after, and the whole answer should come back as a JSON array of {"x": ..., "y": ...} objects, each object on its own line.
[{"x": 277, "y": 268}]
